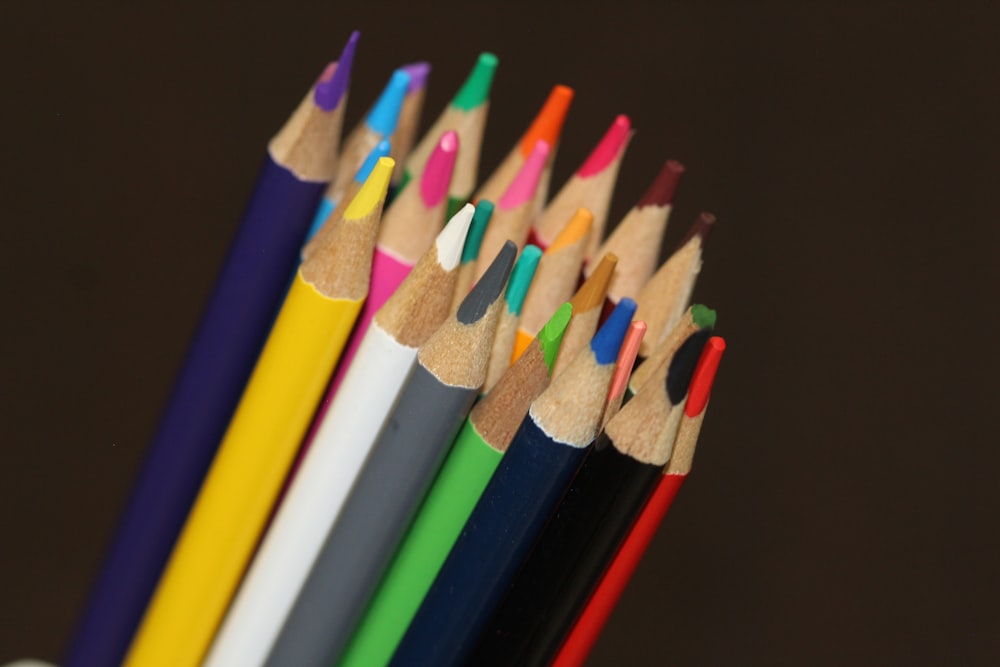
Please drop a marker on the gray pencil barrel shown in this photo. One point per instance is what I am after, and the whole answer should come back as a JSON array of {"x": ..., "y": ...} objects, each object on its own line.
[{"x": 400, "y": 469}]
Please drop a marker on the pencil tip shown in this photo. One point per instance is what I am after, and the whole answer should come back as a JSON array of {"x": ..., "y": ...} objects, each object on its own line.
[
  {"x": 551, "y": 335},
  {"x": 474, "y": 240},
  {"x": 548, "y": 124},
  {"x": 476, "y": 89},
  {"x": 451, "y": 239},
  {"x": 372, "y": 192},
  {"x": 437, "y": 174},
  {"x": 330, "y": 90},
  {"x": 608, "y": 148},
  {"x": 521, "y": 277},
  {"x": 419, "y": 72},
  {"x": 381, "y": 150},
  {"x": 384, "y": 116},
  {"x": 594, "y": 289},
  {"x": 574, "y": 232},
  {"x": 525, "y": 183},
  {"x": 682, "y": 365},
  {"x": 701, "y": 227},
  {"x": 608, "y": 339},
  {"x": 661, "y": 192},
  {"x": 704, "y": 376},
  {"x": 703, "y": 316},
  {"x": 488, "y": 289}
]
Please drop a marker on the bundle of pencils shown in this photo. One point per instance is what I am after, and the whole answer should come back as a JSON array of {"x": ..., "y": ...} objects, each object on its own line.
[{"x": 455, "y": 440}]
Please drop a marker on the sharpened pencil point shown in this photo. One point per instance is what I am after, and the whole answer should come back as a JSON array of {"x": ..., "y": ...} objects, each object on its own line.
[
  {"x": 523, "y": 187},
  {"x": 683, "y": 364},
  {"x": 551, "y": 335},
  {"x": 437, "y": 174},
  {"x": 577, "y": 227},
  {"x": 384, "y": 115},
  {"x": 609, "y": 147},
  {"x": 329, "y": 91},
  {"x": 418, "y": 75},
  {"x": 381, "y": 150},
  {"x": 476, "y": 89},
  {"x": 548, "y": 124},
  {"x": 520, "y": 278},
  {"x": 489, "y": 287},
  {"x": 661, "y": 192},
  {"x": 474, "y": 240},
  {"x": 703, "y": 316},
  {"x": 704, "y": 376},
  {"x": 372, "y": 192},
  {"x": 452, "y": 238},
  {"x": 608, "y": 339},
  {"x": 701, "y": 228}
]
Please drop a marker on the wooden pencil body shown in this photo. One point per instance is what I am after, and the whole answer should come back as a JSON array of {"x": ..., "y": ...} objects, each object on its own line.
[{"x": 384, "y": 499}]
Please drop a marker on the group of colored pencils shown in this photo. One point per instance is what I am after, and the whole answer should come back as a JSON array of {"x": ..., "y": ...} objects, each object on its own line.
[{"x": 420, "y": 422}]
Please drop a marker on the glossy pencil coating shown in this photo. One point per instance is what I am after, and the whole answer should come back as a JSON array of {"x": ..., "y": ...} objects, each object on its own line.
[
  {"x": 344, "y": 437},
  {"x": 235, "y": 501},
  {"x": 220, "y": 358},
  {"x": 588, "y": 626},
  {"x": 477, "y": 451},
  {"x": 541, "y": 460},
  {"x": 407, "y": 454}
]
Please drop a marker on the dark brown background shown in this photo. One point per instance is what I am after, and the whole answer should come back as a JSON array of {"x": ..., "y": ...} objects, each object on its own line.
[{"x": 842, "y": 507}]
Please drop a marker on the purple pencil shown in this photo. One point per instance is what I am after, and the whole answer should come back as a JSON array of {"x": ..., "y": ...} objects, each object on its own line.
[{"x": 301, "y": 161}]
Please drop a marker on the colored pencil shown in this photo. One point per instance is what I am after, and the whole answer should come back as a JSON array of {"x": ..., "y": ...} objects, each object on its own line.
[
  {"x": 590, "y": 187},
  {"x": 408, "y": 229},
  {"x": 556, "y": 278},
  {"x": 512, "y": 220},
  {"x": 330, "y": 211},
  {"x": 466, "y": 115},
  {"x": 510, "y": 315},
  {"x": 220, "y": 358},
  {"x": 273, "y": 414},
  {"x": 547, "y": 126},
  {"x": 695, "y": 318},
  {"x": 623, "y": 369},
  {"x": 588, "y": 626},
  {"x": 407, "y": 454},
  {"x": 338, "y": 452},
  {"x": 541, "y": 460},
  {"x": 409, "y": 116},
  {"x": 665, "y": 296},
  {"x": 474, "y": 457},
  {"x": 588, "y": 304},
  {"x": 470, "y": 253},
  {"x": 591, "y": 520},
  {"x": 637, "y": 239},
  {"x": 378, "y": 125}
]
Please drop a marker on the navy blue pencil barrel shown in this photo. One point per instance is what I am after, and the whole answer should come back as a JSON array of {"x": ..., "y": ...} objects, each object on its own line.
[{"x": 221, "y": 356}]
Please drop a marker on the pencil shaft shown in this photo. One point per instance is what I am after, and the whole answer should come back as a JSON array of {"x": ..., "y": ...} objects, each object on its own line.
[
  {"x": 378, "y": 511},
  {"x": 510, "y": 513},
  {"x": 218, "y": 363},
  {"x": 569, "y": 556}
]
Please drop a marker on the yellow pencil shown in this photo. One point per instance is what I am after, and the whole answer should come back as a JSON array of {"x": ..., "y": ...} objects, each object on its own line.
[{"x": 260, "y": 443}]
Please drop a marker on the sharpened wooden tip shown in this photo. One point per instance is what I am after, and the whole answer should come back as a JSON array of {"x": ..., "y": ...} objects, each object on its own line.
[
  {"x": 592, "y": 291},
  {"x": 548, "y": 124},
  {"x": 373, "y": 191},
  {"x": 489, "y": 287},
  {"x": 575, "y": 230}
]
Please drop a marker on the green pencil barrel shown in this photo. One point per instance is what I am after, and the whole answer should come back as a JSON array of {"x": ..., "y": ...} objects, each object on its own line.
[{"x": 439, "y": 522}]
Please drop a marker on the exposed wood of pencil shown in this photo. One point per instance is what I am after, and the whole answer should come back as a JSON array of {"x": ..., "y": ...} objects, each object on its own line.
[
  {"x": 409, "y": 116},
  {"x": 665, "y": 296},
  {"x": 694, "y": 319},
  {"x": 557, "y": 274},
  {"x": 510, "y": 315},
  {"x": 303, "y": 143},
  {"x": 592, "y": 191},
  {"x": 547, "y": 126},
  {"x": 499, "y": 413},
  {"x": 638, "y": 237},
  {"x": 587, "y": 307},
  {"x": 409, "y": 225}
]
